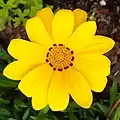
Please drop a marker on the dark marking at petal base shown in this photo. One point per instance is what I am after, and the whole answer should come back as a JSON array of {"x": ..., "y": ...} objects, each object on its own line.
[
  {"x": 54, "y": 45},
  {"x": 72, "y": 58},
  {"x": 59, "y": 69},
  {"x": 71, "y": 52},
  {"x": 50, "y": 48},
  {"x": 66, "y": 67},
  {"x": 71, "y": 64},
  {"x": 67, "y": 48},
  {"x": 60, "y": 44},
  {"x": 54, "y": 69},
  {"x": 47, "y": 60},
  {"x": 50, "y": 64},
  {"x": 47, "y": 54}
]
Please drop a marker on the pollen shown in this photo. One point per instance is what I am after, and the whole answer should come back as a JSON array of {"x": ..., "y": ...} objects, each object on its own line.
[{"x": 60, "y": 57}]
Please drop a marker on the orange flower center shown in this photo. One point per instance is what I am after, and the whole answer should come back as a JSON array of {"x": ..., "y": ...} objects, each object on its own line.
[{"x": 60, "y": 57}]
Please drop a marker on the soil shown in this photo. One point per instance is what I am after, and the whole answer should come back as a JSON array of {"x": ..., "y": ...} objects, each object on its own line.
[{"x": 107, "y": 15}]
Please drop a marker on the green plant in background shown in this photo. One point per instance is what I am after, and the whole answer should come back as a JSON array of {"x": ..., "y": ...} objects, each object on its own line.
[
  {"x": 34, "y": 6},
  {"x": 21, "y": 17},
  {"x": 17, "y": 11},
  {"x": 4, "y": 12}
]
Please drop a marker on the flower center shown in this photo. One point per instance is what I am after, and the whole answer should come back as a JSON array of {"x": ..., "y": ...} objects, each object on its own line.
[{"x": 59, "y": 57}]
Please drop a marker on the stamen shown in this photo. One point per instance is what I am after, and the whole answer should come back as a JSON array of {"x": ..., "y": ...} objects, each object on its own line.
[{"x": 59, "y": 57}]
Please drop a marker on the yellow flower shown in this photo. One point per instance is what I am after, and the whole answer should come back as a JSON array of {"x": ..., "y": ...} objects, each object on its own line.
[{"x": 63, "y": 57}]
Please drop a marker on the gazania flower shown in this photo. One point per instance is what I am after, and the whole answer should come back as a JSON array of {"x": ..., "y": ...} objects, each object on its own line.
[{"x": 63, "y": 57}]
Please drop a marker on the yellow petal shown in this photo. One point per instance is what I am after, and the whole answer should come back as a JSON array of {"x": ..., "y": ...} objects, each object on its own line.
[
  {"x": 35, "y": 84},
  {"x": 18, "y": 69},
  {"x": 37, "y": 32},
  {"x": 79, "y": 88},
  {"x": 82, "y": 36},
  {"x": 80, "y": 17},
  {"x": 58, "y": 97},
  {"x": 99, "y": 45},
  {"x": 45, "y": 14},
  {"x": 62, "y": 25},
  {"x": 27, "y": 51},
  {"x": 95, "y": 68}
]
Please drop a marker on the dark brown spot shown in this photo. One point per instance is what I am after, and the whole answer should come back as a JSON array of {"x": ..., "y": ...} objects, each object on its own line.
[
  {"x": 50, "y": 48},
  {"x": 71, "y": 64},
  {"x": 59, "y": 69},
  {"x": 60, "y": 44},
  {"x": 47, "y": 54},
  {"x": 47, "y": 60},
  {"x": 71, "y": 52},
  {"x": 54, "y": 69},
  {"x": 54, "y": 45},
  {"x": 50, "y": 64},
  {"x": 67, "y": 48},
  {"x": 72, "y": 58},
  {"x": 66, "y": 67}
]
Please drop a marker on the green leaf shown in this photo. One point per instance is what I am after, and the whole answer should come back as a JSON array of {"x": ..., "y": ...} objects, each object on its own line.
[
  {"x": 72, "y": 106},
  {"x": 11, "y": 119},
  {"x": 4, "y": 14},
  {"x": 7, "y": 83},
  {"x": 97, "y": 118},
  {"x": 26, "y": 114},
  {"x": 20, "y": 103},
  {"x": 4, "y": 112},
  {"x": 1, "y": 12},
  {"x": 44, "y": 111},
  {"x": 26, "y": 12},
  {"x": 17, "y": 2},
  {"x": 16, "y": 21},
  {"x": 2, "y": 3},
  {"x": 10, "y": 2},
  {"x": 2, "y": 23},
  {"x": 100, "y": 108},
  {"x": 4, "y": 55},
  {"x": 32, "y": 117},
  {"x": 2, "y": 65},
  {"x": 41, "y": 117},
  {"x": 72, "y": 116},
  {"x": 3, "y": 101},
  {"x": 117, "y": 114},
  {"x": 113, "y": 92},
  {"x": 19, "y": 12}
]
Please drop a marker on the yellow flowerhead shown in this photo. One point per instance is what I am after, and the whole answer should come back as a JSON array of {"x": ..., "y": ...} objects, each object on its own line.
[{"x": 63, "y": 57}]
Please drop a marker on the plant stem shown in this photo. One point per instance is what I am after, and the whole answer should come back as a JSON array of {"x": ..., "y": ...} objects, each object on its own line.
[{"x": 112, "y": 109}]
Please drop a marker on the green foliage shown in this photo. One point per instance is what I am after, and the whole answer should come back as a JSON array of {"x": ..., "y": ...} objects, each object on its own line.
[
  {"x": 113, "y": 92},
  {"x": 21, "y": 17},
  {"x": 16, "y": 12},
  {"x": 117, "y": 114}
]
